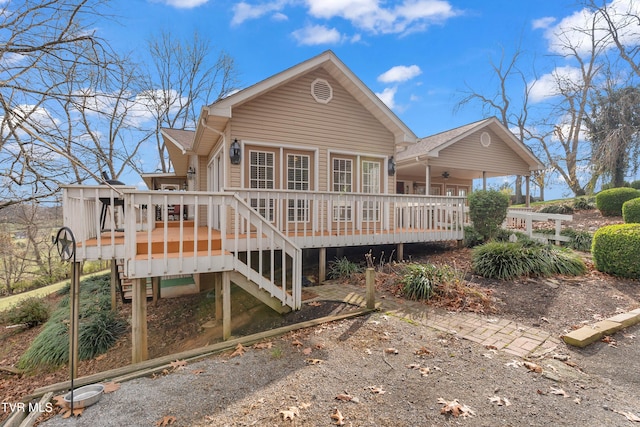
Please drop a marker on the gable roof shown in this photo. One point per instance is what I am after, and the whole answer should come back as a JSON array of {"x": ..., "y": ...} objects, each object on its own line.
[
  {"x": 181, "y": 143},
  {"x": 339, "y": 71},
  {"x": 432, "y": 145}
]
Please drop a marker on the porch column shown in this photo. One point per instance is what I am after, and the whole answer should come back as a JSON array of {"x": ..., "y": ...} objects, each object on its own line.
[
  {"x": 427, "y": 180},
  {"x": 155, "y": 288},
  {"x": 114, "y": 278},
  {"x": 139, "y": 349},
  {"x": 217, "y": 289},
  {"x": 484, "y": 181},
  {"x": 322, "y": 265},
  {"x": 528, "y": 190},
  {"x": 226, "y": 306}
]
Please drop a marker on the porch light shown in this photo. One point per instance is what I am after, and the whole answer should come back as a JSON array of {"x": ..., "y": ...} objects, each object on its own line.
[
  {"x": 191, "y": 173},
  {"x": 392, "y": 166},
  {"x": 234, "y": 152}
]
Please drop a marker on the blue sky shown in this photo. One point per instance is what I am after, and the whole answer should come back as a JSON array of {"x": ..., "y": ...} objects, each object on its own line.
[{"x": 419, "y": 56}]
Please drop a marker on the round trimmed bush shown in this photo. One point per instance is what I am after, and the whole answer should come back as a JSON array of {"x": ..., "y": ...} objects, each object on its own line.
[
  {"x": 487, "y": 211},
  {"x": 609, "y": 202},
  {"x": 631, "y": 211},
  {"x": 616, "y": 250}
]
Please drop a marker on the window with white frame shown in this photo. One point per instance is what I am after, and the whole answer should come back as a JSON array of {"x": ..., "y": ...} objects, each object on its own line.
[
  {"x": 342, "y": 170},
  {"x": 298, "y": 173},
  {"x": 370, "y": 185},
  {"x": 262, "y": 176}
]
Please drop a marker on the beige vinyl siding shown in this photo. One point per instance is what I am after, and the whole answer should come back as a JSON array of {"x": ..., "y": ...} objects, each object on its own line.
[
  {"x": 470, "y": 154},
  {"x": 289, "y": 115}
]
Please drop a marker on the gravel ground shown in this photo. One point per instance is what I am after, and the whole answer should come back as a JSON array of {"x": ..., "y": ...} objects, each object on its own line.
[{"x": 380, "y": 370}]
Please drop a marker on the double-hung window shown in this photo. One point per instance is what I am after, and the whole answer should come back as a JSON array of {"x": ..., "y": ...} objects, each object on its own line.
[
  {"x": 298, "y": 171},
  {"x": 262, "y": 176},
  {"x": 370, "y": 185},
  {"x": 342, "y": 170}
]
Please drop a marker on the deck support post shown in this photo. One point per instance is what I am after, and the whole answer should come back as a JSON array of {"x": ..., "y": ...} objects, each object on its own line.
[
  {"x": 226, "y": 306},
  {"x": 155, "y": 289},
  {"x": 114, "y": 279},
  {"x": 370, "y": 280},
  {"x": 322, "y": 265},
  {"x": 400, "y": 252},
  {"x": 217, "y": 289},
  {"x": 139, "y": 350}
]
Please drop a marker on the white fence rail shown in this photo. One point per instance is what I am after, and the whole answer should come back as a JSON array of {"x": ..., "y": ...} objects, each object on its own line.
[{"x": 523, "y": 220}]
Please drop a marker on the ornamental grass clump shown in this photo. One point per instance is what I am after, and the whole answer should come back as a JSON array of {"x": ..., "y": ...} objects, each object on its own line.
[
  {"x": 98, "y": 330},
  {"x": 420, "y": 281},
  {"x": 504, "y": 260},
  {"x": 342, "y": 268}
]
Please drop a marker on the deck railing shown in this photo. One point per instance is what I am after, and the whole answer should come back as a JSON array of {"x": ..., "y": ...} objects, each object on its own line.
[
  {"x": 331, "y": 219},
  {"x": 207, "y": 241}
]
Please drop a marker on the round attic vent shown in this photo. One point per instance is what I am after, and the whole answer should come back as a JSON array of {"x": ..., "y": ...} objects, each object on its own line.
[
  {"x": 485, "y": 139},
  {"x": 321, "y": 91}
]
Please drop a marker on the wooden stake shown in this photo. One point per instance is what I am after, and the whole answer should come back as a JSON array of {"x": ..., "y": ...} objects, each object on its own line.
[
  {"x": 370, "y": 278},
  {"x": 322, "y": 266},
  {"x": 139, "y": 349}
]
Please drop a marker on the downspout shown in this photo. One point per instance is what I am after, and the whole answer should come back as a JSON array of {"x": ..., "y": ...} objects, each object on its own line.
[{"x": 224, "y": 149}]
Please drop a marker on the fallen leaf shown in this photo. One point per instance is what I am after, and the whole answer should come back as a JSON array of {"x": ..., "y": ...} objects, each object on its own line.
[
  {"x": 166, "y": 421},
  {"x": 533, "y": 367},
  {"x": 197, "y": 371},
  {"x": 178, "y": 364},
  {"x": 500, "y": 401},
  {"x": 629, "y": 415},
  {"x": 304, "y": 405},
  {"x": 422, "y": 351},
  {"x": 297, "y": 343},
  {"x": 577, "y": 400},
  {"x": 110, "y": 387},
  {"x": 455, "y": 408},
  {"x": 413, "y": 366},
  {"x": 263, "y": 345},
  {"x": 101, "y": 357},
  {"x": 337, "y": 417},
  {"x": 376, "y": 390},
  {"x": 559, "y": 392},
  {"x": 290, "y": 413},
  {"x": 344, "y": 397},
  {"x": 391, "y": 350},
  {"x": 313, "y": 361},
  {"x": 239, "y": 351},
  {"x": 59, "y": 401},
  {"x": 67, "y": 413},
  {"x": 424, "y": 371},
  {"x": 314, "y": 304},
  {"x": 307, "y": 351}
]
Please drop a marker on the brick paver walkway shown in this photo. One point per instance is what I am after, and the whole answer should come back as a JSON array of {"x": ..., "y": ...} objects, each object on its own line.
[{"x": 505, "y": 335}]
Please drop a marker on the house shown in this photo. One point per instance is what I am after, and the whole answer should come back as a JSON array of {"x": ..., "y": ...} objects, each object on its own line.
[{"x": 309, "y": 158}]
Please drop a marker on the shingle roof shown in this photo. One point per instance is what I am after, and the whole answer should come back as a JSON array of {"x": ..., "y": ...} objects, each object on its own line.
[{"x": 182, "y": 138}]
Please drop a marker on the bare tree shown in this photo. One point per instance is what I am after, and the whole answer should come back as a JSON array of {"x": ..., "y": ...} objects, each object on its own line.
[
  {"x": 512, "y": 113},
  {"x": 564, "y": 144},
  {"x": 181, "y": 80},
  {"x": 622, "y": 23},
  {"x": 43, "y": 45}
]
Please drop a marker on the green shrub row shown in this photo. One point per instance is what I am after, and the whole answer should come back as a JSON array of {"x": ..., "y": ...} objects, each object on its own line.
[
  {"x": 505, "y": 260},
  {"x": 631, "y": 211},
  {"x": 616, "y": 250},
  {"x": 609, "y": 202}
]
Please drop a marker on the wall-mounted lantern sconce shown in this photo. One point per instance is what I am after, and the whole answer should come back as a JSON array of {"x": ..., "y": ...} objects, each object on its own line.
[
  {"x": 445, "y": 174},
  {"x": 392, "y": 166},
  {"x": 234, "y": 152},
  {"x": 191, "y": 173}
]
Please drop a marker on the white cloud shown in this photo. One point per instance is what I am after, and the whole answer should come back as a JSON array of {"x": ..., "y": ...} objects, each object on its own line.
[
  {"x": 387, "y": 96},
  {"x": 244, "y": 11},
  {"x": 400, "y": 73},
  {"x": 575, "y": 29},
  {"x": 185, "y": 4},
  {"x": 278, "y": 16},
  {"x": 368, "y": 15},
  {"x": 410, "y": 15},
  {"x": 549, "y": 85},
  {"x": 542, "y": 22},
  {"x": 312, "y": 35}
]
